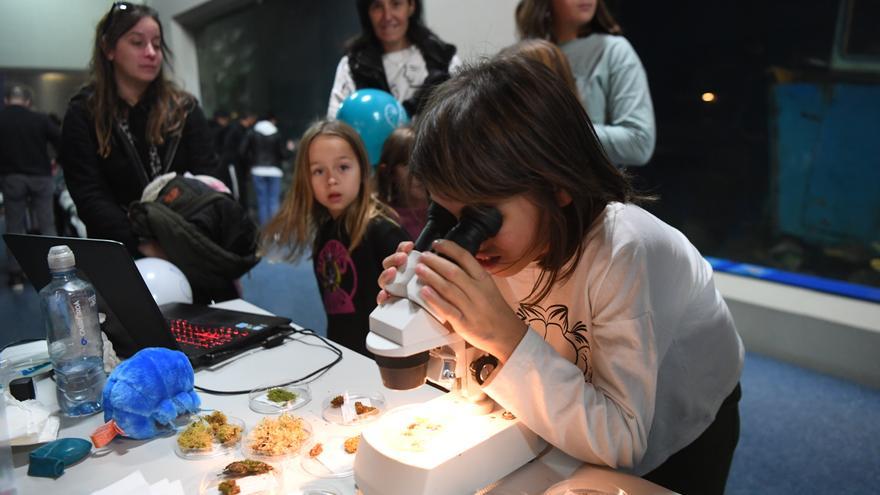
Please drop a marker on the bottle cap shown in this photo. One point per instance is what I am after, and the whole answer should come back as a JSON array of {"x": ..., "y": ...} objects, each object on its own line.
[{"x": 60, "y": 258}]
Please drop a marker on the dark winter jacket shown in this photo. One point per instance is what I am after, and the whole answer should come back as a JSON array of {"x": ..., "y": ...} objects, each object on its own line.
[
  {"x": 103, "y": 188},
  {"x": 205, "y": 233},
  {"x": 24, "y": 135},
  {"x": 263, "y": 145},
  {"x": 367, "y": 70}
]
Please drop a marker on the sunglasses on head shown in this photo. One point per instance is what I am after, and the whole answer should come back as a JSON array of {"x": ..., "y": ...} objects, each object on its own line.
[{"x": 114, "y": 10}]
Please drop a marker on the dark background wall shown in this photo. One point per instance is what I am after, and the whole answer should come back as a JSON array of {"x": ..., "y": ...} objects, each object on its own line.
[
  {"x": 719, "y": 169},
  {"x": 717, "y": 166},
  {"x": 277, "y": 56}
]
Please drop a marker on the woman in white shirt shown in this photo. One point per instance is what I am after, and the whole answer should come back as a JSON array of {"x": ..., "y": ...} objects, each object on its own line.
[{"x": 396, "y": 53}]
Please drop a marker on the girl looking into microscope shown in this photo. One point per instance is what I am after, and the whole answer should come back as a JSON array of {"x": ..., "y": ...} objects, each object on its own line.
[{"x": 614, "y": 344}]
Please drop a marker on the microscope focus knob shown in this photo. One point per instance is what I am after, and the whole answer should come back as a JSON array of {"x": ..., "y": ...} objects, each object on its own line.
[{"x": 482, "y": 367}]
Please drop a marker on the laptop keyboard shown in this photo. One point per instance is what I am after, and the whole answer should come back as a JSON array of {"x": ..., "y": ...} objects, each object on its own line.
[{"x": 204, "y": 336}]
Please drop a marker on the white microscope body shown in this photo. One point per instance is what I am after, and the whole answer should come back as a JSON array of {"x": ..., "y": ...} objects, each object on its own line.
[{"x": 457, "y": 443}]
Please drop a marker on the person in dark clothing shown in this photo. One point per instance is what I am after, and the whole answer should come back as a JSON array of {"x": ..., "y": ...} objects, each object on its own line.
[
  {"x": 129, "y": 124},
  {"x": 219, "y": 126},
  {"x": 236, "y": 170},
  {"x": 395, "y": 52},
  {"x": 25, "y": 169},
  {"x": 264, "y": 151}
]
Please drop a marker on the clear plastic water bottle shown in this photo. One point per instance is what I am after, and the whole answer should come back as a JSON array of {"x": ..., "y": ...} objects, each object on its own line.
[{"x": 70, "y": 310}]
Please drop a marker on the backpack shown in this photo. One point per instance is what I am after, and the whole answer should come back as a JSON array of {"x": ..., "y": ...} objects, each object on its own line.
[{"x": 204, "y": 232}]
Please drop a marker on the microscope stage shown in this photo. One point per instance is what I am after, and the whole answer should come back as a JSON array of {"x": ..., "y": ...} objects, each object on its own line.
[{"x": 440, "y": 447}]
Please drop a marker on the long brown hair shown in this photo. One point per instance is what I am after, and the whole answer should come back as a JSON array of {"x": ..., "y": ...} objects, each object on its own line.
[
  {"x": 545, "y": 52},
  {"x": 477, "y": 143},
  {"x": 169, "y": 103},
  {"x": 534, "y": 19},
  {"x": 296, "y": 224},
  {"x": 395, "y": 152}
]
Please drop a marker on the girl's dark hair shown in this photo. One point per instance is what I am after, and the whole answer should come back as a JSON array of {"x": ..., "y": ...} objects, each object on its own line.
[
  {"x": 534, "y": 19},
  {"x": 416, "y": 31},
  {"x": 170, "y": 104},
  {"x": 395, "y": 152},
  {"x": 510, "y": 126}
]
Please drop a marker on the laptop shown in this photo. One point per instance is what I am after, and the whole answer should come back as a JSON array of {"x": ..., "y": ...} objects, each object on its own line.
[{"x": 133, "y": 319}]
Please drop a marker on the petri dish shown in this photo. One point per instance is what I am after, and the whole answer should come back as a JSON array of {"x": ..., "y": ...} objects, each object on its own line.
[
  {"x": 318, "y": 489},
  {"x": 269, "y": 483},
  {"x": 276, "y": 438},
  {"x": 583, "y": 487},
  {"x": 333, "y": 461},
  {"x": 337, "y": 415},
  {"x": 217, "y": 447},
  {"x": 259, "y": 399}
]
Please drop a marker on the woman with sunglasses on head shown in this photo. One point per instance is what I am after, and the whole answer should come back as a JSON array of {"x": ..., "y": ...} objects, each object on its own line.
[
  {"x": 610, "y": 78},
  {"x": 395, "y": 52},
  {"x": 129, "y": 124}
]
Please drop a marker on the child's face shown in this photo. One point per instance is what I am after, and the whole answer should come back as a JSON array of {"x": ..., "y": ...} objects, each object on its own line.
[
  {"x": 512, "y": 248},
  {"x": 335, "y": 173}
]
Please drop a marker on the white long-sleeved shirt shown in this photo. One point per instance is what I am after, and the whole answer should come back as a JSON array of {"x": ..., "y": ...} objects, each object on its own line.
[
  {"x": 628, "y": 361},
  {"x": 405, "y": 71},
  {"x": 614, "y": 90}
]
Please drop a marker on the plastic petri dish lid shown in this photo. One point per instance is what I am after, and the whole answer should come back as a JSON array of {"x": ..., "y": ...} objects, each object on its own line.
[
  {"x": 318, "y": 488},
  {"x": 346, "y": 414},
  {"x": 583, "y": 487},
  {"x": 333, "y": 461},
  {"x": 279, "y": 445},
  {"x": 259, "y": 399},
  {"x": 217, "y": 447},
  {"x": 259, "y": 484}
]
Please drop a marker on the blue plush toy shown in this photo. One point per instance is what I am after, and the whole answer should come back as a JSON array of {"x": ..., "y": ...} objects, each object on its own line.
[{"x": 149, "y": 390}]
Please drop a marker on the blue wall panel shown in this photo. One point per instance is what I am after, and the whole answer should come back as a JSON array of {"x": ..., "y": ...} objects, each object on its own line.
[{"x": 827, "y": 152}]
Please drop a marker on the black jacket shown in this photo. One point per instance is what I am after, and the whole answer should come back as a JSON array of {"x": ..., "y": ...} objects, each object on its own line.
[
  {"x": 367, "y": 70},
  {"x": 347, "y": 279},
  {"x": 262, "y": 145},
  {"x": 205, "y": 233},
  {"x": 103, "y": 188},
  {"x": 24, "y": 135}
]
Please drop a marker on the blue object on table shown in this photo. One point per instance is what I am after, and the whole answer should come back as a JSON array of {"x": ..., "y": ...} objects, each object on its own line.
[
  {"x": 148, "y": 391},
  {"x": 49, "y": 460}
]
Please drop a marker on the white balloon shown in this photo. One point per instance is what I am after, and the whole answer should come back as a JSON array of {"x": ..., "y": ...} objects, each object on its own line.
[{"x": 166, "y": 282}]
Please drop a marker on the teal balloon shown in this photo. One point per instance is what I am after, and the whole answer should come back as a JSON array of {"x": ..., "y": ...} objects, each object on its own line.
[{"x": 374, "y": 114}]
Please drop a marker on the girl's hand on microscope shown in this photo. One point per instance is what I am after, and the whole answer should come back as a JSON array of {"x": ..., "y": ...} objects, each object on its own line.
[
  {"x": 390, "y": 265},
  {"x": 463, "y": 293}
]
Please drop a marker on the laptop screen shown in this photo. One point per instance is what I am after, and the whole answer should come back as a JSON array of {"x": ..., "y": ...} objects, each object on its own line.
[{"x": 133, "y": 320}]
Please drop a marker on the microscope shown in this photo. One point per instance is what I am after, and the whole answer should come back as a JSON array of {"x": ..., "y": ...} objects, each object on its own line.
[{"x": 461, "y": 441}]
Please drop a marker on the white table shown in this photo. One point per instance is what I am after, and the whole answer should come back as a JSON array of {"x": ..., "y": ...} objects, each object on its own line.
[{"x": 156, "y": 459}]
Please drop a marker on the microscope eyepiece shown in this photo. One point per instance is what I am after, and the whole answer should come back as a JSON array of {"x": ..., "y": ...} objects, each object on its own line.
[
  {"x": 438, "y": 223},
  {"x": 477, "y": 224}
]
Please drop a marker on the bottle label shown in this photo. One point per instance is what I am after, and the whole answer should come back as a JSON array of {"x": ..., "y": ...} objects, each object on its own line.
[{"x": 79, "y": 321}]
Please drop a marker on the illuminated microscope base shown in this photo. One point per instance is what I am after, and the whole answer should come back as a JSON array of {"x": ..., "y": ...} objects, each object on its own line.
[{"x": 441, "y": 447}]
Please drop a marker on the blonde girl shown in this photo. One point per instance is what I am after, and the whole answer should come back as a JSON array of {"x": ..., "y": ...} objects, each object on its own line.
[{"x": 332, "y": 212}]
